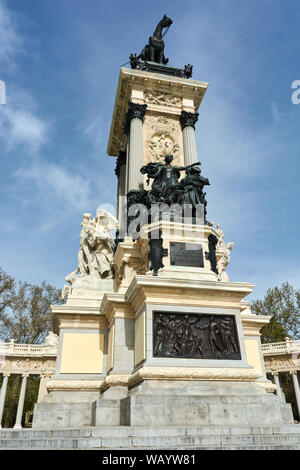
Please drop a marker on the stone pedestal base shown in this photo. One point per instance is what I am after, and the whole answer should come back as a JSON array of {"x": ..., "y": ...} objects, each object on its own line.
[
  {"x": 64, "y": 409},
  {"x": 107, "y": 410},
  {"x": 156, "y": 403}
]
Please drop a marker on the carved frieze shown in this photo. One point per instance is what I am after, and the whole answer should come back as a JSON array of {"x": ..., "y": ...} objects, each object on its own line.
[
  {"x": 274, "y": 362},
  {"x": 162, "y": 98},
  {"x": 26, "y": 365},
  {"x": 195, "y": 336}
]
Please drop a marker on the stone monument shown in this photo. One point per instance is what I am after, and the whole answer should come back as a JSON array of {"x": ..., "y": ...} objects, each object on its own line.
[{"x": 152, "y": 331}]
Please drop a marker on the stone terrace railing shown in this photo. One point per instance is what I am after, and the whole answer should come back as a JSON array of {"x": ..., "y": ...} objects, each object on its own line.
[
  {"x": 287, "y": 346},
  {"x": 15, "y": 349}
]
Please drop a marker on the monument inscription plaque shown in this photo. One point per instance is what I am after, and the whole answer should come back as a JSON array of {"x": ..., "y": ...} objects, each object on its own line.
[
  {"x": 186, "y": 254},
  {"x": 195, "y": 336}
]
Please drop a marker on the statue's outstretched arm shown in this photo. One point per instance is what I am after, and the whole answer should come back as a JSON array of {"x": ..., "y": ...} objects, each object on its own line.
[{"x": 181, "y": 168}]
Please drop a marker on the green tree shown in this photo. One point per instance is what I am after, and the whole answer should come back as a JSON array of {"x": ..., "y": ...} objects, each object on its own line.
[
  {"x": 25, "y": 316},
  {"x": 25, "y": 309},
  {"x": 283, "y": 305}
]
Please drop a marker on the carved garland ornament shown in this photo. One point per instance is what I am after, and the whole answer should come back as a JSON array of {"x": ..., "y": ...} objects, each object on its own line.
[{"x": 162, "y": 98}]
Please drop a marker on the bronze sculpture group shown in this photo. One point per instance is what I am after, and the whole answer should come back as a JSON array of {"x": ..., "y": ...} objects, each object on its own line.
[
  {"x": 195, "y": 336},
  {"x": 168, "y": 190}
]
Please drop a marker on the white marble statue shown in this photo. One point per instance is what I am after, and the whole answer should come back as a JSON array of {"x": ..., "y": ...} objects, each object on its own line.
[
  {"x": 224, "y": 261},
  {"x": 95, "y": 256},
  {"x": 51, "y": 339}
]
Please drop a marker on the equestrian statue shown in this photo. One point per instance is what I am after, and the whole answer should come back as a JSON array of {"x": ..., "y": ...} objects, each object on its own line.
[{"x": 154, "y": 50}]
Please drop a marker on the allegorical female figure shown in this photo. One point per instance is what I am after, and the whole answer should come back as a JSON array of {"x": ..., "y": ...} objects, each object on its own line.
[
  {"x": 194, "y": 183},
  {"x": 165, "y": 177}
]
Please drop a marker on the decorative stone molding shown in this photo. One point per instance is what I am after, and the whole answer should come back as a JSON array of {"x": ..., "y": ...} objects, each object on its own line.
[
  {"x": 182, "y": 373},
  {"x": 188, "y": 119},
  {"x": 162, "y": 98},
  {"x": 193, "y": 373},
  {"x": 27, "y": 365},
  {"x": 268, "y": 386},
  {"x": 114, "y": 380},
  {"x": 135, "y": 110},
  {"x": 279, "y": 362},
  {"x": 131, "y": 258},
  {"x": 86, "y": 385}
]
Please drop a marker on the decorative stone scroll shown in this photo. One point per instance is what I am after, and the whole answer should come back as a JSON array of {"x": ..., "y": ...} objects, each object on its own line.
[{"x": 195, "y": 336}]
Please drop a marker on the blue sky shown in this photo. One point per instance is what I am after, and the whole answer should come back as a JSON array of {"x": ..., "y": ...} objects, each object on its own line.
[{"x": 60, "y": 61}]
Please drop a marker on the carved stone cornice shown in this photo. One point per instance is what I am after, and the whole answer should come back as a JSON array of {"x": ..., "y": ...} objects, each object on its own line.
[
  {"x": 135, "y": 110},
  {"x": 188, "y": 119}
]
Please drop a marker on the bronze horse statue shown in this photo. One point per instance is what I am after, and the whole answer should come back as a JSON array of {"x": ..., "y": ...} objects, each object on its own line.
[{"x": 154, "y": 51}]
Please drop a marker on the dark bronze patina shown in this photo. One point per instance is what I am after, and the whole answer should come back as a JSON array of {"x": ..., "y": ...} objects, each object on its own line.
[
  {"x": 211, "y": 254},
  {"x": 195, "y": 336},
  {"x": 156, "y": 254},
  {"x": 152, "y": 57}
]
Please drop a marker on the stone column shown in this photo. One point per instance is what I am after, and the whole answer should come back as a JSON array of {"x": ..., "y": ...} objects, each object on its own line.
[
  {"x": 18, "y": 424},
  {"x": 120, "y": 171},
  {"x": 277, "y": 382},
  {"x": 3, "y": 395},
  {"x": 134, "y": 126},
  {"x": 188, "y": 121},
  {"x": 296, "y": 388}
]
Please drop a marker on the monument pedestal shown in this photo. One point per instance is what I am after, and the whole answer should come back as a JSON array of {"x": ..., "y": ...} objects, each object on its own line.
[
  {"x": 184, "y": 345},
  {"x": 202, "y": 402}
]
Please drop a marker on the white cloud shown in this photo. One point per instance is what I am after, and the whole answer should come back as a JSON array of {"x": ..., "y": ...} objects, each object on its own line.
[
  {"x": 92, "y": 130},
  {"x": 57, "y": 184},
  {"x": 22, "y": 127},
  {"x": 10, "y": 40},
  {"x": 20, "y": 123}
]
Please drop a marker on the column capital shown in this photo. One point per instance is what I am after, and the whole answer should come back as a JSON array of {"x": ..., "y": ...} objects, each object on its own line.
[
  {"x": 6, "y": 374},
  {"x": 188, "y": 119},
  {"x": 25, "y": 375},
  {"x": 275, "y": 372},
  {"x": 293, "y": 372},
  {"x": 135, "y": 110}
]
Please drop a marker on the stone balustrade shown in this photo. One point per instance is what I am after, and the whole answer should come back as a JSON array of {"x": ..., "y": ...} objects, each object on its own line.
[
  {"x": 26, "y": 360},
  {"x": 281, "y": 348},
  {"x": 15, "y": 349},
  {"x": 283, "y": 358}
]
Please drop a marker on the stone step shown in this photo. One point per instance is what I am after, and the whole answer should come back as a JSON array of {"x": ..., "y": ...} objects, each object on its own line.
[
  {"x": 131, "y": 431},
  {"x": 141, "y": 439}
]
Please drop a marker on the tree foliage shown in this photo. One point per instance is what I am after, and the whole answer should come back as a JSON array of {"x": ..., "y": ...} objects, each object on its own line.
[
  {"x": 25, "y": 317},
  {"x": 25, "y": 309},
  {"x": 283, "y": 305}
]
